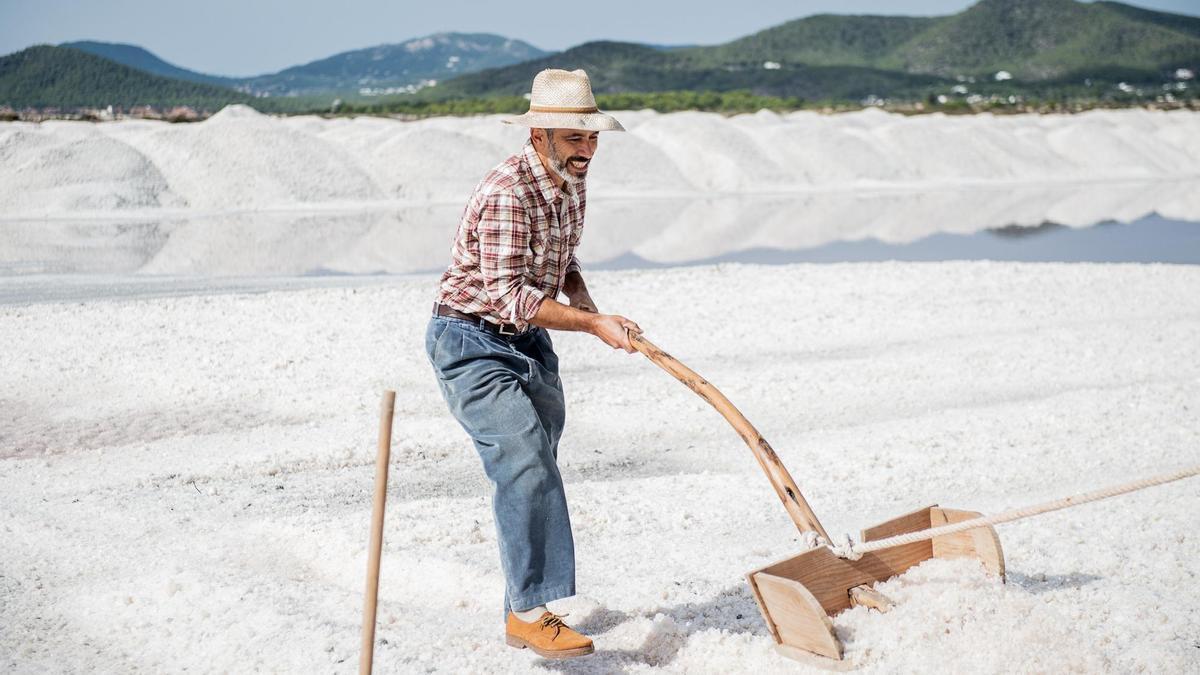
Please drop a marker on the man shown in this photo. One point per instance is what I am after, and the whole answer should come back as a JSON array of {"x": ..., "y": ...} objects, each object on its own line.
[{"x": 513, "y": 254}]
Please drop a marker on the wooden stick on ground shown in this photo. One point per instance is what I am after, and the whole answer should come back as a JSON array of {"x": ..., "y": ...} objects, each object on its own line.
[
  {"x": 797, "y": 507},
  {"x": 367, "y": 658}
]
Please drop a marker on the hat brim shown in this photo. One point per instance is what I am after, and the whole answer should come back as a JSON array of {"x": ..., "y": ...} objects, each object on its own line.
[{"x": 596, "y": 121}]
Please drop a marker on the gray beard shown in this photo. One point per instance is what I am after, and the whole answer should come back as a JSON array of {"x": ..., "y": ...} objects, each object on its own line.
[{"x": 560, "y": 167}]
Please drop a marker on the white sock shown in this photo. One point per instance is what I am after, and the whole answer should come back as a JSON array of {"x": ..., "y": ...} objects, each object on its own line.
[{"x": 531, "y": 615}]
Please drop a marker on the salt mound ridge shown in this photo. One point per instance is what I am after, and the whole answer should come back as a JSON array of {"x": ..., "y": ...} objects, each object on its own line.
[
  {"x": 241, "y": 159},
  {"x": 76, "y": 168}
]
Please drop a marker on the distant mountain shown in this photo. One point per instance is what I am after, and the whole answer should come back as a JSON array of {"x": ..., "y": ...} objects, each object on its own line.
[
  {"x": 391, "y": 66},
  {"x": 61, "y": 77},
  {"x": 144, "y": 60},
  {"x": 435, "y": 57}
]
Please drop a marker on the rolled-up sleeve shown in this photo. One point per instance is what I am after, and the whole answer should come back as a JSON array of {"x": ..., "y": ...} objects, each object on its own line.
[
  {"x": 504, "y": 233},
  {"x": 574, "y": 266}
]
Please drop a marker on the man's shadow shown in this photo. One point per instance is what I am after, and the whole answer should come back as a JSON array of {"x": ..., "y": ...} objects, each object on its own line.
[{"x": 733, "y": 610}]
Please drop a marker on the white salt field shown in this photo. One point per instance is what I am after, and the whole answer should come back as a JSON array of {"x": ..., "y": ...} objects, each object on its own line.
[
  {"x": 199, "y": 320},
  {"x": 185, "y": 481}
]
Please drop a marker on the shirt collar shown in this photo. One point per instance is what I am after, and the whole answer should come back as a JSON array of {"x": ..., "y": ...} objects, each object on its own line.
[{"x": 551, "y": 191}]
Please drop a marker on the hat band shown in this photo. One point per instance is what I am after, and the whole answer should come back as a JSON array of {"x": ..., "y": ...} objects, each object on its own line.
[{"x": 560, "y": 109}]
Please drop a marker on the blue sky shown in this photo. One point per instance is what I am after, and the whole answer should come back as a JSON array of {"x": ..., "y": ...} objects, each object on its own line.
[{"x": 249, "y": 37}]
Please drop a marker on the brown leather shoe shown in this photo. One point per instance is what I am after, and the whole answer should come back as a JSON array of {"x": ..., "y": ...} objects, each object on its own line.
[{"x": 548, "y": 637}]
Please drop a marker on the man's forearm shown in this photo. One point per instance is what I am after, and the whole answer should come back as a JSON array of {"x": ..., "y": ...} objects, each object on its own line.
[
  {"x": 557, "y": 316},
  {"x": 612, "y": 329}
]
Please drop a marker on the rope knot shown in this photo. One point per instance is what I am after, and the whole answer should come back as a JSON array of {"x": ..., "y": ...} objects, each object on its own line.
[
  {"x": 844, "y": 548},
  {"x": 810, "y": 539}
]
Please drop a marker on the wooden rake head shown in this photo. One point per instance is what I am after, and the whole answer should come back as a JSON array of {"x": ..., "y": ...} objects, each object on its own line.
[{"x": 798, "y": 595}]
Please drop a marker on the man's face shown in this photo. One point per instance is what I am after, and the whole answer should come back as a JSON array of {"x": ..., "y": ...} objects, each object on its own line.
[{"x": 570, "y": 152}]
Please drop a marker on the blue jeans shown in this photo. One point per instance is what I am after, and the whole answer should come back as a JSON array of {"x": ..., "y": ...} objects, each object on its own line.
[{"x": 506, "y": 393}]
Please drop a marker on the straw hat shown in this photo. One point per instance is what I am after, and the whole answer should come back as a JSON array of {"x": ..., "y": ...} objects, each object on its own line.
[{"x": 563, "y": 100}]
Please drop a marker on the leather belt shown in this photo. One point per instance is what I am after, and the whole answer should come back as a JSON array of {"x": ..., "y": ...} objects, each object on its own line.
[{"x": 503, "y": 329}]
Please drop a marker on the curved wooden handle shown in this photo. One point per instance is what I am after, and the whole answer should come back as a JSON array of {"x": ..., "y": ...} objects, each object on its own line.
[{"x": 781, "y": 480}]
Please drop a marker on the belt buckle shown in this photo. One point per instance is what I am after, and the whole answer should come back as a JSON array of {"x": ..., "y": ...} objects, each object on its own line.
[{"x": 500, "y": 329}]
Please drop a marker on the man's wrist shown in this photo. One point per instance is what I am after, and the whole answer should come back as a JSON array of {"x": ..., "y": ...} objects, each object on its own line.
[{"x": 590, "y": 322}]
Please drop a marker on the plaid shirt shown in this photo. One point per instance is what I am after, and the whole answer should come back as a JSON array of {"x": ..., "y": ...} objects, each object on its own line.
[{"x": 515, "y": 244}]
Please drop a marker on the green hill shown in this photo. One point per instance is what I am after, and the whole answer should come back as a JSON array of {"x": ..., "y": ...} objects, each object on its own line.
[
  {"x": 621, "y": 67},
  {"x": 146, "y": 61},
  {"x": 821, "y": 40},
  {"x": 612, "y": 66},
  {"x": 61, "y": 77},
  {"x": 1047, "y": 45},
  {"x": 1044, "y": 39},
  {"x": 1031, "y": 39},
  {"x": 1182, "y": 23}
]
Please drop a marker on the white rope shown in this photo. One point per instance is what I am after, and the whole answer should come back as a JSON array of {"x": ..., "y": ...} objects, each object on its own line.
[{"x": 852, "y": 551}]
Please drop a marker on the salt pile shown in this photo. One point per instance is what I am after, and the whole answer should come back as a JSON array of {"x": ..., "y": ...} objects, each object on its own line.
[
  {"x": 240, "y": 159},
  {"x": 413, "y": 165},
  {"x": 73, "y": 168}
]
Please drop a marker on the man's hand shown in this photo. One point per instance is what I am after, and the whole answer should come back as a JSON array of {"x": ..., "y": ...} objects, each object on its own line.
[{"x": 614, "y": 330}]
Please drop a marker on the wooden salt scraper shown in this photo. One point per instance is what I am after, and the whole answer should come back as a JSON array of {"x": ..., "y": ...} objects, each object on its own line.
[{"x": 798, "y": 595}]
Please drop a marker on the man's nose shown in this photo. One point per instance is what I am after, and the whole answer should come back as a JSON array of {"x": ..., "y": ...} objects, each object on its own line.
[{"x": 587, "y": 150}]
